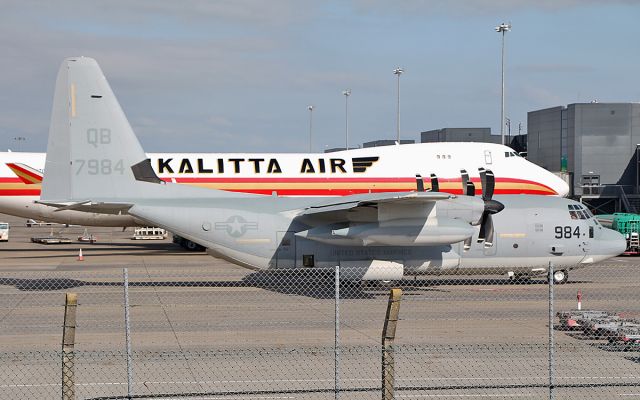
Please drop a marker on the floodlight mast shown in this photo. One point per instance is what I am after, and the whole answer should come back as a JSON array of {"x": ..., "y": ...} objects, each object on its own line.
[
  {"x": 310, "y": 108},
  {"x": 346, "y": 94},
  {"x": 502, "y": 28},
  {"x": 397, "y": 72}
]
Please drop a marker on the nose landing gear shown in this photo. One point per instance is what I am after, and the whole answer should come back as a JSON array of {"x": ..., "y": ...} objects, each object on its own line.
[{"x": 560, "y": 277}]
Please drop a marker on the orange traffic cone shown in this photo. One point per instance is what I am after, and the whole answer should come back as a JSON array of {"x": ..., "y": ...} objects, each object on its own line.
[{"x": 80, "y": 256}]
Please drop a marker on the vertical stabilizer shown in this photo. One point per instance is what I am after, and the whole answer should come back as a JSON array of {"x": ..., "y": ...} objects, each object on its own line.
[{"x": 91, "y": 146}]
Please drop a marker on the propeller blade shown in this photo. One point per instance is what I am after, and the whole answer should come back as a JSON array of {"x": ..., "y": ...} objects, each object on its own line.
[
  {"x": 483, "y": 227},
  {"x": 465, "y": 180},
  {"x": 483, "y": 179},
  {"x": 487, "y": 193},
  {"x": 471, "y": 189},
  {"x": 435, "y": 185},
  {"x": 488, "y": 241},
  {"x": 419, "y": 183}
]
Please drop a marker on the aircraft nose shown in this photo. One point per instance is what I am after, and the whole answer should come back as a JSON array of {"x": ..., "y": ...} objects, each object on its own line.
[
  {"x": 608, "y": 243},
  {"x": 616, "y": 242},
  {"x": 611, "y": 243}
]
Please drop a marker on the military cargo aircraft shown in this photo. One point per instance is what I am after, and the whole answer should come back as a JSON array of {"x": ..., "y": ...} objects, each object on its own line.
[{"x": 96, "y": 164}]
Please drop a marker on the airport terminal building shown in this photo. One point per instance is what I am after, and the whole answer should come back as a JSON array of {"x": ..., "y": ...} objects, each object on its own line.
[{"x": 596, "y": 145}]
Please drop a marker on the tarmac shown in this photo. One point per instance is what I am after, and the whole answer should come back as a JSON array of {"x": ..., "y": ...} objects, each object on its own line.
[{"x": 200, "y": 325}]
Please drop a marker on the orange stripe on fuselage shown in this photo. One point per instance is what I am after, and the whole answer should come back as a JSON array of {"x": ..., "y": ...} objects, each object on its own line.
[{"x": 315, "y": 186}]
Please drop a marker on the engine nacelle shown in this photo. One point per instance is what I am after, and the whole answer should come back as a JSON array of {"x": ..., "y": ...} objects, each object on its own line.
[{"x": 403, "y": 232}]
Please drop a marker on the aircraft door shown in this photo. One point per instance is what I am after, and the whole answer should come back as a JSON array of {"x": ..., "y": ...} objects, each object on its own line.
[
  {"x": 488, "y": 160},
  {"x": 286, "y": 251}
]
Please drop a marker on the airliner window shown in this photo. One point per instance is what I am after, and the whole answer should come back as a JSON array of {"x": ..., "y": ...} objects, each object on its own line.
[{"x": 507, "y": 154}]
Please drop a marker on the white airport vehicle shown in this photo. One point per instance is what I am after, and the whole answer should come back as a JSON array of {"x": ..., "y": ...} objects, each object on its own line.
[
  {"x": 32, "y": 222},
  {"x": 4, "y": 232},
  {"x": 149, "y": 233}
]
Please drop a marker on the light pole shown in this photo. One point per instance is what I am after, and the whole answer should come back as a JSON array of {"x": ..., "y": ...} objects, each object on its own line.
[
  {"x": 310, "y": 108},
  {"x": 502, "y": 28},
  {"x": 508, "y": 123},
  {"x": 397, "y": 72},
  {"x": 346, "y": 94}
]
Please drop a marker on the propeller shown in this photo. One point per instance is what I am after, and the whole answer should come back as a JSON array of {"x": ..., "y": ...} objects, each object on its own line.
[
  {"x": 490, "y": 207},
  {"x": 419, "y": 183},
  {"x": 468, "y": 188},
  {"x": 435, "y": 185}
]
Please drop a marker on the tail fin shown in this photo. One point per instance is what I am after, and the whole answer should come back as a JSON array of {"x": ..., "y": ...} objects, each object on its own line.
[
  {"x": 91, "y": 148},
  {"x": 28, "y": 175}
]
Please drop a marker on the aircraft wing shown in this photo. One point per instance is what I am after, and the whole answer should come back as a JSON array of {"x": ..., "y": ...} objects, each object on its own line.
[
  {"x": 393, "y": 219},
  {"x": 372, "y": 199}
]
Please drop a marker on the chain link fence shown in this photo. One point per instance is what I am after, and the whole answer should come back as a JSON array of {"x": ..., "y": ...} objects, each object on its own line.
[{"x": 194, "y": 331}]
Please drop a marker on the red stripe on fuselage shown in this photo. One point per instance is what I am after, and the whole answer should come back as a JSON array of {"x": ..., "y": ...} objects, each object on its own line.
[{"x": 19, "y": 192}]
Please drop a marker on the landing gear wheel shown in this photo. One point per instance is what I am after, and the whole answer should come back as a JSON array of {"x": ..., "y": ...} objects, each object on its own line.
[
  {"x": 521, "y": 279},
  {"x": 191, "y": 246},
  {"x": 560, "y": 277}
]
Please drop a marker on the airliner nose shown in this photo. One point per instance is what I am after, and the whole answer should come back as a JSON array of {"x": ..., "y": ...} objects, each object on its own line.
[{"x": 559, "y": 186}]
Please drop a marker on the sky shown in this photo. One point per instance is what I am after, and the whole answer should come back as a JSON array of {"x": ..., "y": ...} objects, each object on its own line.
[{"x": 239, "y": 75}]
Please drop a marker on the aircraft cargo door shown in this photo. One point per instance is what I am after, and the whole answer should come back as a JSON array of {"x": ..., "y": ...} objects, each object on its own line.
[
  {"x": 286, "y": 251},
  {"x": 488, "y": 160}
]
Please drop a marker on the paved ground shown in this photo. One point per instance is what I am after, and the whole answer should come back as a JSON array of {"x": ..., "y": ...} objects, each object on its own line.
[{"x": 201, "y": 325}]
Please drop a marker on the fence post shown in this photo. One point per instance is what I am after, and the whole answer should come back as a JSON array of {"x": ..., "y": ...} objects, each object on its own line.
[
  {"x": 336, "y": 344},
  {"x": 388, "y": 336},
  {"x": 68, "y": 341},
  {"x": 551, "y": 341},
  {"x": 125, "y": 273}
]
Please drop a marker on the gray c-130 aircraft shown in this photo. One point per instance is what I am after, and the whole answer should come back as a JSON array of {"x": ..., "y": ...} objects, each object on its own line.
[{"x": 96, "y": 164}]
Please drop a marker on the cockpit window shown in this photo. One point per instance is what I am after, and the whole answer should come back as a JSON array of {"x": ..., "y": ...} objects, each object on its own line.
[
  {"x": 508, "y": 154},
  {"x": 578, "y": 211}
]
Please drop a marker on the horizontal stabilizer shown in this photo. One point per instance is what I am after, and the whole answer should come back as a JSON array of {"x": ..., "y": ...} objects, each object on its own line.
[{"x": 88, "y": 206}]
